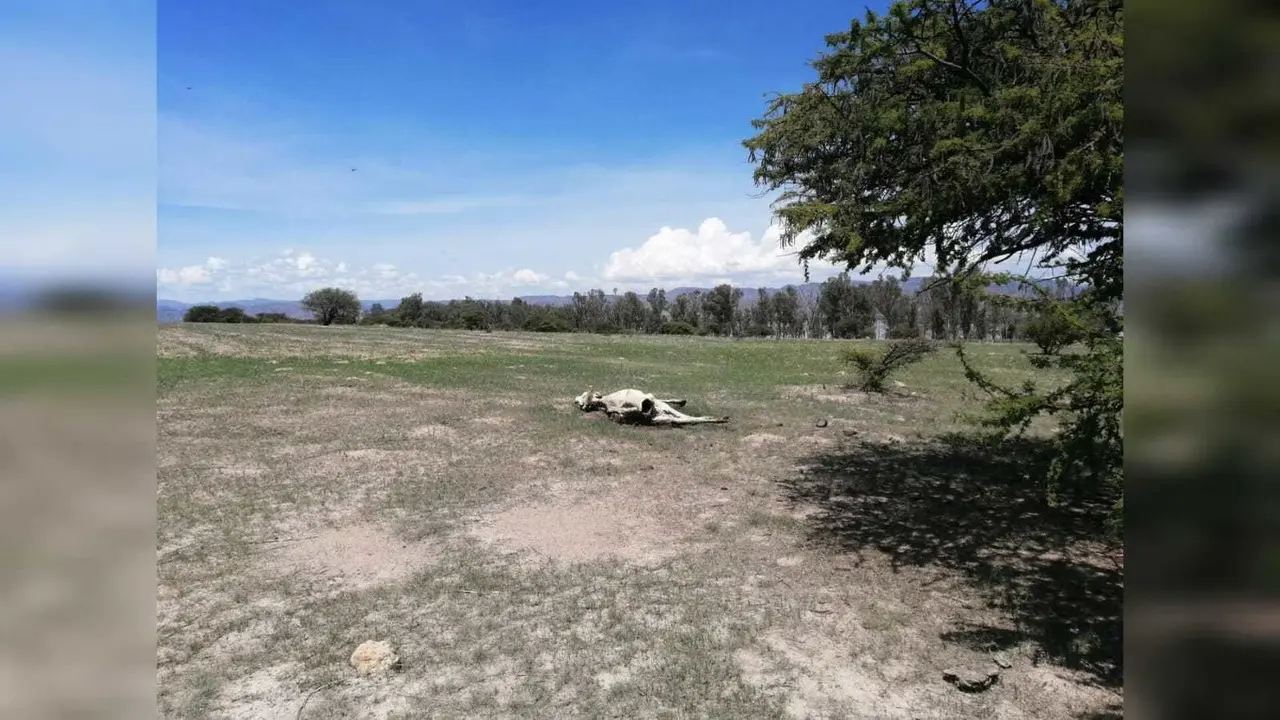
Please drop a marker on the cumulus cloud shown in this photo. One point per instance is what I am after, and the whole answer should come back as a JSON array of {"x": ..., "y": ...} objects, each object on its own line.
[
  {"x": 528, "y": 277},
  {"x": 714, "y": 254},
  {"x": 293, "y": 273},
  {"x": 189, "y": 275},
  {"x": 711, "y": 252}
]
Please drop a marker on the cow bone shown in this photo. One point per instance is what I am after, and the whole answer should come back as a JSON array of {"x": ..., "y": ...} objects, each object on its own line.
[{"x": 638, "y": 407}]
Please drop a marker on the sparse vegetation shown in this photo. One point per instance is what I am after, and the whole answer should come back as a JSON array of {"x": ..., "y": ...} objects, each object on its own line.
[
  {"x": 875, "y": 366},
  {"x": 322, "y": 488},
  {"x": 678, "y": 328},
  {"x": 319, "y": 488}
]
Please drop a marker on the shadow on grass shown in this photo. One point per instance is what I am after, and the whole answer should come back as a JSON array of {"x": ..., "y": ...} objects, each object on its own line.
[{"x": 978, "y": 509}]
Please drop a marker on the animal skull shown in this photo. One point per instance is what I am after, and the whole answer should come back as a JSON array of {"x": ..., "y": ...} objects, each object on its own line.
[{"x": 638, "y": 407}]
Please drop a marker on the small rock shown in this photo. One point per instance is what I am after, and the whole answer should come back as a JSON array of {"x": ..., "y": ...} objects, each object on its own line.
[
  {"x": 971, "y": 680},
  {"x": 850, "y": 432},
  {"x": 821, "y": 423},
  {"x": 1002, "y": 660},
  {"x": 899, "y": 383},
  {"x": 779, "y": 424},
  {"x": 374, "y": 657}
]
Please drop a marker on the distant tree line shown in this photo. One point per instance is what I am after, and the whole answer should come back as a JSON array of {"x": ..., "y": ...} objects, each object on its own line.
[
  {"x": 840, "y": 309},
  {"x": 215, "y": 314}
]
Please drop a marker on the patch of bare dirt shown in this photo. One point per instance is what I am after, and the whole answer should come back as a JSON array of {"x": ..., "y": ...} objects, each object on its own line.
[
  {"x": 261, "y": 695},
  {"x": 367, "y": 465},
  {"x": 433, "y": 432},
  {"x": 359, "y": 556},
  {"x": 822, "y": 676},
  {"x": 608, "y": 526},
  {"x": 240, "y": 469},
  {"x": 824, "y": 393},
  {"x": 757, "y": 440},
  {"x": 186, "y": 342}
]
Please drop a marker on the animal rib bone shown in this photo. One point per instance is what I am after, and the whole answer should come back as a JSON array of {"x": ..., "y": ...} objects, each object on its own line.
[{"x": 642, "y": 408}]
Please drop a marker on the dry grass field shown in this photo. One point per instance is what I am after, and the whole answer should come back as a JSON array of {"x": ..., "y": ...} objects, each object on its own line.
[{"x": 320, "y": 487}]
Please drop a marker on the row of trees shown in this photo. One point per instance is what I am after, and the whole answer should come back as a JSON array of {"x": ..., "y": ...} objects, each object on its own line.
[{"x": 840, "y": 309}]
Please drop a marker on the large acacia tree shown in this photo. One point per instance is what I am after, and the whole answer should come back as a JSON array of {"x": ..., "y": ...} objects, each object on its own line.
[
  {"x": 332, "y": 305},
  {"x": 975, "y": 132}
]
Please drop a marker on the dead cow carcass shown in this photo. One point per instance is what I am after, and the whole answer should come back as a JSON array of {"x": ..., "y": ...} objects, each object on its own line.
[{"x": 640, "y": 408}]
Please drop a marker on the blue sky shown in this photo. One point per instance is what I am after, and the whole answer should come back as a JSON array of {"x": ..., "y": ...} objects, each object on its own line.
[
  {"x": 77, "y": 139},
  {"x": 497, "y": 149},
  {"x": 489, "y": 148}
]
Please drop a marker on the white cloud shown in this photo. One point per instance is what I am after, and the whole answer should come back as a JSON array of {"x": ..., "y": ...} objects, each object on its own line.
[
  {"x": 293, "y": 273},
  {"x": 528, "y": 277},
  {"x": 202, "y": 274},
  {"x": 572, "y": 276},
  {"x": 711, "y": 253}
]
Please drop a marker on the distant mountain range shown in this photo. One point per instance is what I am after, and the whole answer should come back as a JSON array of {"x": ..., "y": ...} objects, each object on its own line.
[{"x": 173, "y": 310}]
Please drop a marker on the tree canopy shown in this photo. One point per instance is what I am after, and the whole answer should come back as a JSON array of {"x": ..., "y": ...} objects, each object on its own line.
[
  {"x": 969, "y": 132},
  {"x": 974, "y": 130},
  {"x": 332, "y": 305}
]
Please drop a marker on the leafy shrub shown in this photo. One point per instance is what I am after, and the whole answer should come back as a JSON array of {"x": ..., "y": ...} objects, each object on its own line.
[
  {"x": 235, "y": 315},
  {"x": 201, "y": 313},
  {"x": 677, "y": 328},
  {"x": 852, "y": 327},
  {"x": 874, "y": 368},
  {"x": 547, "y": 322},
  {"x": 1052, "y": 331}
]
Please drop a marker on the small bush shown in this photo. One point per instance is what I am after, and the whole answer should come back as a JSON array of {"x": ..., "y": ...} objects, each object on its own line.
[
  {"x": 235, "y": 315},
  {"x": 547, "y": 322},
  {"x": 1051, "y": 331},
  {"x": 874, "y": 368},
  {"x": 677, "y": 328},
  {"x": 201, "y": 313}
]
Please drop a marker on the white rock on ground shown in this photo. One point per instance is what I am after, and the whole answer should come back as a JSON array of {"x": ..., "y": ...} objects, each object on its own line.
[{"x": 374, "y": 657}]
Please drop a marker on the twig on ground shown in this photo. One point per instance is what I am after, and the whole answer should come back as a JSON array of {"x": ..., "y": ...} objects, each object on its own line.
[
  {"x": 299, "y": 538},
  {"x": 307, "y": 699}
]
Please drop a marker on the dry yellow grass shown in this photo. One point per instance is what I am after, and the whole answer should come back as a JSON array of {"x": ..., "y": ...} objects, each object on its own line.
[{"x": 322, "y": 487}]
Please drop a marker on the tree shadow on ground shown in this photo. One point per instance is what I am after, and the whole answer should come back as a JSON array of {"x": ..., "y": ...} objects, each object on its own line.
[{"x": 979, "y": 509}]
